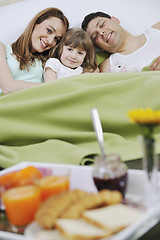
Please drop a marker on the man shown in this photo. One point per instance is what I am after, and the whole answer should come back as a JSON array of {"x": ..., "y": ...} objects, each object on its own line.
[{"x": 125, "y": 48}]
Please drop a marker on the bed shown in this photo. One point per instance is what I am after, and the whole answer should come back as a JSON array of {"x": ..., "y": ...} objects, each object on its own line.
[{"x": 52, "y": 122}]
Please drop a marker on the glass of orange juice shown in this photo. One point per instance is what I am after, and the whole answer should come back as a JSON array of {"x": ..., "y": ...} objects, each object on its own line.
[
  {"x": 21, "y": 204},
  {"x": 55, "y": 183}
]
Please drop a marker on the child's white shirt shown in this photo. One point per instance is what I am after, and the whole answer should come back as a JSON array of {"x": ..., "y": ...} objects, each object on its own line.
[{"x": 61, "y": 70}]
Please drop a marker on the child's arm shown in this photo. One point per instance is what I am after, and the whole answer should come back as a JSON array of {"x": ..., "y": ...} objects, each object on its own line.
[
  {"x": 97, "y": 70},
  {"x": 49, "y": 75},
  {"x": 93, "y": 71}
]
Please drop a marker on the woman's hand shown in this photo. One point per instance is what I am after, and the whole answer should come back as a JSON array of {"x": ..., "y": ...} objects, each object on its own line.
[{"x": 155, "y": 66}]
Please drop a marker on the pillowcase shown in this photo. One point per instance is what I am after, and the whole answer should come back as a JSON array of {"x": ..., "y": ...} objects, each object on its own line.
[
  {"x": 147, "y": 68},
  {"x": 101, "y": 56}
]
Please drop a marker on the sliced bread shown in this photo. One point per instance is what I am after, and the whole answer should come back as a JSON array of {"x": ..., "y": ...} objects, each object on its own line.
[
  {"x": 79, "y": 229},
  {"x": 49, "y": 235},
  {"x": 114, "y": 217}
]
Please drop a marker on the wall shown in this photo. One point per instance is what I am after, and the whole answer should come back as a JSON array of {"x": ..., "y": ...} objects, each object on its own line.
[{"x": 7, "y": 2}]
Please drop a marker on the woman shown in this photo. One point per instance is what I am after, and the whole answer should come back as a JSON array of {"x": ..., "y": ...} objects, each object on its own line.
[{"x": 24, "y": 59}]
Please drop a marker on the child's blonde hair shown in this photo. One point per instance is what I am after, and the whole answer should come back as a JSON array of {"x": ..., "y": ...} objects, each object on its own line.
[{"x": 78, "y": 38}]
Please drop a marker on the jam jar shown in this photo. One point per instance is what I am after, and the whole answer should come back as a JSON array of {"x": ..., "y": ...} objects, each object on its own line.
[{"x": 110, "y": 173}]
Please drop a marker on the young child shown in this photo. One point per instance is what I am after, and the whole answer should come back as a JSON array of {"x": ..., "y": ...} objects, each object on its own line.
[{"x": 74, "y": 55}]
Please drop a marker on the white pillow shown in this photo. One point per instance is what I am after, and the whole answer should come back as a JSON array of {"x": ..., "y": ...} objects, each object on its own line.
[{"x": 135, "y": 15}]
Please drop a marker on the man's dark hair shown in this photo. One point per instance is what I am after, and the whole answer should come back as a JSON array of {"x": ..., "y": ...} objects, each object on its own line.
[{"x": 91, "y": 16}]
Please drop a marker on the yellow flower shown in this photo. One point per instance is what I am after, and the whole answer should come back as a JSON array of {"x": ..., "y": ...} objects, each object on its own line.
[
  {"x": 145, "y": 116},
  {"x": 147, "y": 120}
]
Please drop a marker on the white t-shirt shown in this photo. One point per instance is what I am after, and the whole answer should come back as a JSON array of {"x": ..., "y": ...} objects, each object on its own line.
[
  {"x": 143, "y": 56},
  {"x": 61, "y": 70}
]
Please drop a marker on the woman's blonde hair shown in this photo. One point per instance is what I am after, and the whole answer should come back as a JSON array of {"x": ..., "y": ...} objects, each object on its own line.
[
  {"x": 77, "y": 38},
  {"x": 23, "y": 45}
]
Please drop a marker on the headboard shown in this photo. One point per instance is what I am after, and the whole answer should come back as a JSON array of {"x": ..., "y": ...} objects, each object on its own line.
[{"x": 135, "y": 15}]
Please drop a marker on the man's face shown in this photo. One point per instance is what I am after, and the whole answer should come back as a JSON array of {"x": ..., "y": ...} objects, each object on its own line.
[{"x": 105, "y": 33}]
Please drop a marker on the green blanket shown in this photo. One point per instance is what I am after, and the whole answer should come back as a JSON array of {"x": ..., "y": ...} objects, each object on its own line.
[{"x": 52, "y": 122}]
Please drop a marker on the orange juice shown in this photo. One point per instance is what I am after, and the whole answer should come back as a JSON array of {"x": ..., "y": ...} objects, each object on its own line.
[
  {"x": 21, "y": 204},
  {"x": 50, "y": 185},
  {"x": 26, "y": 176},
  {"x": 21, "y": 177}
]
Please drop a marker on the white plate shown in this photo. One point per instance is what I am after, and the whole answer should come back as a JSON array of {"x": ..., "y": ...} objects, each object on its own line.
[
  {"x": 81, "y": 178},
  {"x": 10, "y": 236},
  {"x": 32, "y": 231},
  {"x": 130, "y": 233}
]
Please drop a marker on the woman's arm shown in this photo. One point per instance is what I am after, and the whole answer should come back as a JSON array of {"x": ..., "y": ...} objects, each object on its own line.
[
  {"x": 49, "y": 75},
  {"x": 7, "y": 83}
]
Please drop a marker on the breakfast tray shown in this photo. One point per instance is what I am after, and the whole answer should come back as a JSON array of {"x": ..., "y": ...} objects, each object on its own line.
[{"x": 81, "y": 178}]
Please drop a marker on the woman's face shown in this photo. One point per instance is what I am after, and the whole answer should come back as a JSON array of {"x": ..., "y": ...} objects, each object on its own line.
[{"x": 47, "y": 34}]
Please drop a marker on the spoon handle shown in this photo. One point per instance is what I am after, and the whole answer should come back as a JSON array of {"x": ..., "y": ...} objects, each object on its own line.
[{"x": 99, "y": 133}]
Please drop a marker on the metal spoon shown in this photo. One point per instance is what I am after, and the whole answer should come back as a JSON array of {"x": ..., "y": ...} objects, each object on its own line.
[{"x": 99, "y": 133}]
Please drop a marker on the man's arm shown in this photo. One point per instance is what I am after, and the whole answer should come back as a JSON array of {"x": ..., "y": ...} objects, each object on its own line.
[
  {"x": 156, "y": 25},
  {"x": 156, "y": 64},
  {"x": 105, "y": 66}
]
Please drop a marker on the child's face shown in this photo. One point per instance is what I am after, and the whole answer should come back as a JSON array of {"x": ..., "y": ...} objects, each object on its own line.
[{"x": 72, "y": 57}]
